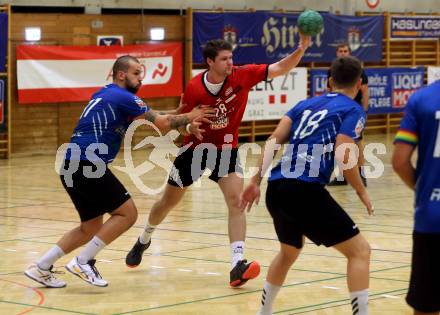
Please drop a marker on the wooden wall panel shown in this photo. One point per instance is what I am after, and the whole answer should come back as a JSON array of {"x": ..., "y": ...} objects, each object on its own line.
[{"x": 41, "y": 128}]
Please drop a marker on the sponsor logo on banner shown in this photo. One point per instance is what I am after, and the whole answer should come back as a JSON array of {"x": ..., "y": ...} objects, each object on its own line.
[
  {"x": 270, "y": 99},
  {"x": 230, "y": 35},
  {"x": 404, "y": 85},
  {"x": 354, "y": 38},
  {"x": 320, "y": 84},
  {"x": 266, "y": 37},
  {"x": 111, "y": 40},
  {"x": 414, "y": 27},
  {"x": 53, "y": 74}
]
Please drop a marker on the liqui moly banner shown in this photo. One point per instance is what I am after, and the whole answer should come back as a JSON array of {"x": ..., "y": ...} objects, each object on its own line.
[
  {"x": 388, "y": 88},
  {"x": 54, "y": 74},
  {"x": 318, "y": 82},
  {"x": 273, "y": 98}
]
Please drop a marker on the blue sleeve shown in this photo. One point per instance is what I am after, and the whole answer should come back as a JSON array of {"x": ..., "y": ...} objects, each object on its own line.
[
  {"x": 354, "y": 123},
  {"x": 293, "y": 111},
  {"x": 409, "y": 120},
  {"x": 408, "y": 131},
  {"x": 132, "y": 105}
]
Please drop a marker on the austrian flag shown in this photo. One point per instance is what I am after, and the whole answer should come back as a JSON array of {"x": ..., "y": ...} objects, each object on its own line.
[{"x": 55, "y": 74}]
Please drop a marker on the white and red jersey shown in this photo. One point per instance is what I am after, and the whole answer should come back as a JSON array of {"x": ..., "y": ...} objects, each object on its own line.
[{"x": 230, "y": 102}]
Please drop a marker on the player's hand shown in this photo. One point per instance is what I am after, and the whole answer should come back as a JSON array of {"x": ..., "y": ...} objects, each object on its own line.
[
  {"x": 304, "y": 41},
  {"x": 194, "y": 128},
  {"x": 181, "y": 106},
  {"x": 204, "y": 112},
  {"x": 363, "y": 196},
  {"x": 250, "y": 194}
]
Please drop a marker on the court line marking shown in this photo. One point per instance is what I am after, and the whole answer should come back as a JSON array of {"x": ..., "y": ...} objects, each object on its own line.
[
  {"x": 342, "y": 302},
  {"x": 38, "y": 292},
  {"x": 214, "y": 298}
]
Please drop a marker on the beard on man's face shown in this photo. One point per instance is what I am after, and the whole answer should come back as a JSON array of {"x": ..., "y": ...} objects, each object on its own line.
[{"x": 130, "y": 87}]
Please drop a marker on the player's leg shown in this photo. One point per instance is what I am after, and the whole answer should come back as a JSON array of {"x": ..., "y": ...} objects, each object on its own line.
[
  {"x": 179, "y": 179},
  {"x": 289, "y": 234},
  {"x": 171, "y": 197},
  {"x": 107, "y": 194},
  {"x": 242, "y": 271},
  {"x": 424, "y": 288},
  {"x": 357, "y": 250},
  {"x": 42, "y": 270},
  {"x": 276, "y": 275},
  {"x": 328, "y": 224}
]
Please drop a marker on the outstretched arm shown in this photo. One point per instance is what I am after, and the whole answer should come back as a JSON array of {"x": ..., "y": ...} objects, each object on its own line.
[
  {"x": 287, "y": 63},
  {"x": 252, "y": 191},
  {"x": 167, "y": 122}
]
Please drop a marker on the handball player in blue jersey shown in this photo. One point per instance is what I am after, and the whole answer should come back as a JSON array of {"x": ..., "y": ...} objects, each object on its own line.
[
  {"x": 420, "y": 128},
  {"x": 316, "y": 132},
  {"x": 89, "y": 182}
]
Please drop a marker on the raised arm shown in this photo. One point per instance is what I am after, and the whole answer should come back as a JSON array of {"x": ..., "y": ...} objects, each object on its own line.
[{"x": 287, "y": 63}]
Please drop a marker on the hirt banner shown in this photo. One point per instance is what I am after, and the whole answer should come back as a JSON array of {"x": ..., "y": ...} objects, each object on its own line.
[
  {"x": 266, "y": 37},
  {"x": 55, "y": 74},
  {"x": 388, "y": 88},
  {"x": 271, "y": 99}
]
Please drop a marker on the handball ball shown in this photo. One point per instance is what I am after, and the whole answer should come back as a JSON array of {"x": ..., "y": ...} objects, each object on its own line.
[{"x": 310, "y": 22}]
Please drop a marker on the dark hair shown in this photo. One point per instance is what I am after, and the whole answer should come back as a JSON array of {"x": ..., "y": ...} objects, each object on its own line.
[
  {"x": 345, "y": 71},
  {"x": 122, "y": 64},
  {"x": 343, "y": 44},
  {"x": 212, "y": 48}
]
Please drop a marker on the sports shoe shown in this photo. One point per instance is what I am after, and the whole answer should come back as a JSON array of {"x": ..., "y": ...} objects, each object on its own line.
[
  {"x": 134, "y": 256},
  {"x": 45, "y": 277},
  {"x": 243, "y": 271},
  {"x": 86, "y": 272}
]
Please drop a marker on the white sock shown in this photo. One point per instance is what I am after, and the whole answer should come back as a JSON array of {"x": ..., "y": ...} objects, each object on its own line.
[
  {"x": 50, "y": 257},
  {"x": 145, "y": 237},
  {"x": 91, "y": 250},
  {"x": 270, "y": 292},
  {"x": 359, "y": 302},
  {"x": 237, "y": 249}
]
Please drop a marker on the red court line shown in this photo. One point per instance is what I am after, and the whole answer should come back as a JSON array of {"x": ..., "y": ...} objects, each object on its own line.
[{"x": 38, "y": 292}]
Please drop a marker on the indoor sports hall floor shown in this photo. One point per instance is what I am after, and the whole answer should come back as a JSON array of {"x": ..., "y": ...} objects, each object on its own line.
[{"x": 186, "y": 269}]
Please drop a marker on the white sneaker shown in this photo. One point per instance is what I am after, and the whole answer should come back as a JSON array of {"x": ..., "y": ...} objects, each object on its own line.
[
  {"x": 45, "y": 277},
  {"x": 86, "y": 272}
]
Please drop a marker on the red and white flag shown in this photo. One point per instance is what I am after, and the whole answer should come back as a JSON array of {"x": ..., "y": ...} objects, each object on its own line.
[{"x": 55, "y": 74}]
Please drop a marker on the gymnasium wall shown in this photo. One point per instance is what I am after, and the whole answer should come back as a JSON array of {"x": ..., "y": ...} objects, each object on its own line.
[
  {"x": 343, "y": 6},
  {"x": 41, "y": 128}
]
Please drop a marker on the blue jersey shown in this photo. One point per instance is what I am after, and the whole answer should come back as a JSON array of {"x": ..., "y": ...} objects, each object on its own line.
[
  {"x": 105, "y": 120},
  {"x": 316, "y": 122},
  {"x": 420, "y": 127}
]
